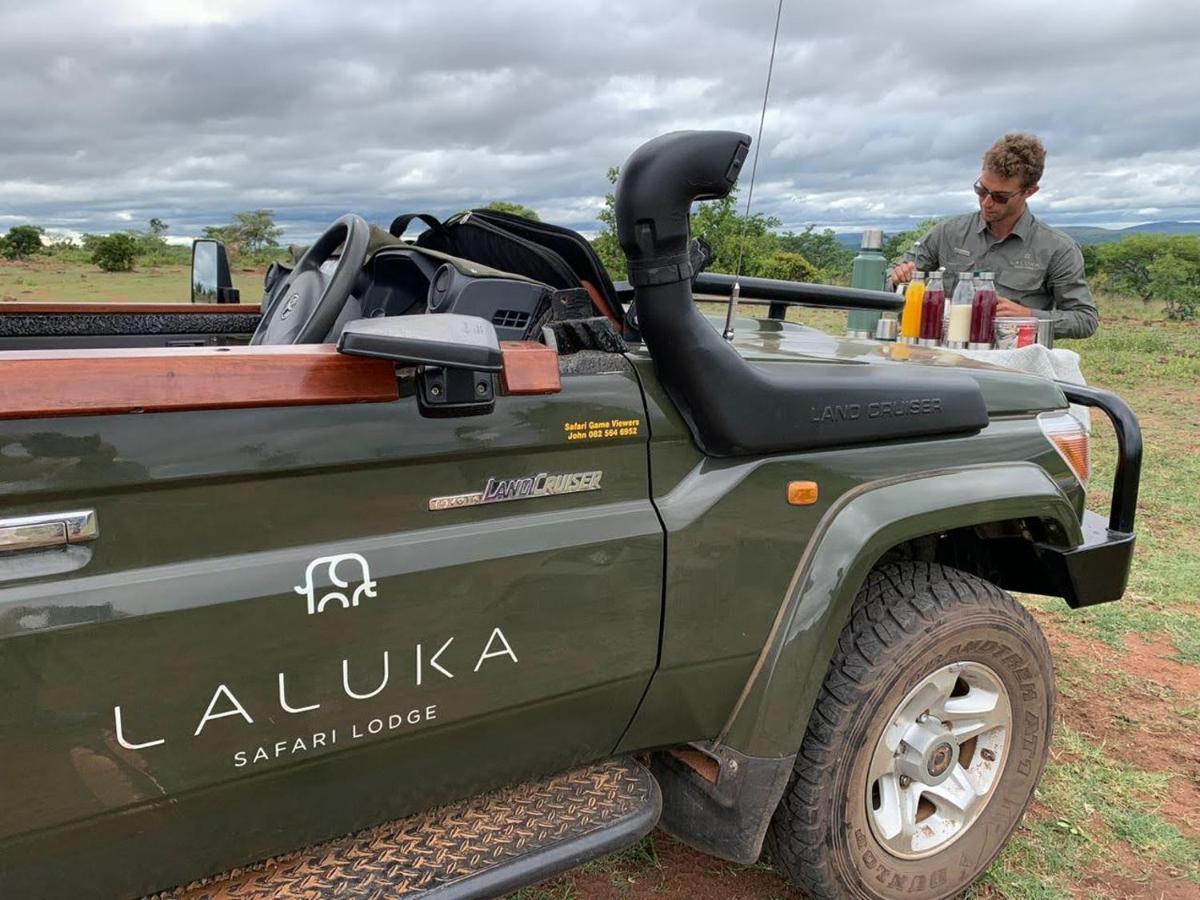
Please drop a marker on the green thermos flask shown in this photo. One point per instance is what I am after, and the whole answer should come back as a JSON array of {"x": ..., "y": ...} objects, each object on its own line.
[{"x": 870, "y": 271}]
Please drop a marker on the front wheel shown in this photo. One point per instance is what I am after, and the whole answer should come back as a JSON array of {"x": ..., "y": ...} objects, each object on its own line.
[{"x": 926, "y": 742}]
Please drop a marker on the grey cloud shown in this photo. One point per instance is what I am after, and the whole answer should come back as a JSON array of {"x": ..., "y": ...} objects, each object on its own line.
[{"x": 876, "y": 116}]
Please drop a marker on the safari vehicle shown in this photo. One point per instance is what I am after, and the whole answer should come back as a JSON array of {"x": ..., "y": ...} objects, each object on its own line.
[{"x": 386, "y": 606}]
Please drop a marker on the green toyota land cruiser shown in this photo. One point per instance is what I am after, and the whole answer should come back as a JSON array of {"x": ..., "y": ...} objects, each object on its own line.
[{"x": 425, "y": 579}]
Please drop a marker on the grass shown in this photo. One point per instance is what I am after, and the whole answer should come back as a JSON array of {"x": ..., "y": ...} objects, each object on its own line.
[
  {"x": 1155, "y": 366},
  {"x": 623, "y": 868},
  {"x": 1092, "y": 801},
  {"x": 1098, "y": 808},
  {"x": 54, "y": 280}
]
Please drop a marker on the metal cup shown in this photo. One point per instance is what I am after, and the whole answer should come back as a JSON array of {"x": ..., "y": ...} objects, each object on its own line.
[{"x": 1045, "y": 335}]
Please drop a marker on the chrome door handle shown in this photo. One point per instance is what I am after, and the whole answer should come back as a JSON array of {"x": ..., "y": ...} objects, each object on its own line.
[{"x": 48, "y": 530}]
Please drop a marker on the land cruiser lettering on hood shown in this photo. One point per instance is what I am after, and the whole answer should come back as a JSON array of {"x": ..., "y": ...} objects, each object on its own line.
[{"x": 847, "y": 412}]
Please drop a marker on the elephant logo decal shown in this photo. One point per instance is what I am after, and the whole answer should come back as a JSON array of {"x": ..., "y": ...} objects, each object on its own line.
[{"x": 358, "y": 566}]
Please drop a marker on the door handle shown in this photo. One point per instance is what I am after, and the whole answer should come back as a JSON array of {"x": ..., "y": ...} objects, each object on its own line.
[{"x": 48, "y": 530}]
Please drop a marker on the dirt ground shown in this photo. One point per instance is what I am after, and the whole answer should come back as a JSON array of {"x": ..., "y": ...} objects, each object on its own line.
[{"x": 1146, "y": 730}]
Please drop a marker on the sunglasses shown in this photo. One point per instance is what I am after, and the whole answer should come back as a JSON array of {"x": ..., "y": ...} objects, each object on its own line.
[{"x": 997, "y": 196}]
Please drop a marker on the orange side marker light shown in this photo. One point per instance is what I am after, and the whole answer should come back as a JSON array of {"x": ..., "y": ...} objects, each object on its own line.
[{"x": 802, "y": 493}]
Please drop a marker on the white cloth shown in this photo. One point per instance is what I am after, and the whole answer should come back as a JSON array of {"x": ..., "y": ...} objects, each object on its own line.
[{"x": 1058, "y": 364}]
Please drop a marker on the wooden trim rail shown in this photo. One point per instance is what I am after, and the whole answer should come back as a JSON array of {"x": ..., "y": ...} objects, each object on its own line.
[
  {"x": 529, "y": 368},
  {"x": 42, "y": 383}
]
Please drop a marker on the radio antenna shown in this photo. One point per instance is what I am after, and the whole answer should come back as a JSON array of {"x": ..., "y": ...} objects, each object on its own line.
[{"x": 737, "y": 288}]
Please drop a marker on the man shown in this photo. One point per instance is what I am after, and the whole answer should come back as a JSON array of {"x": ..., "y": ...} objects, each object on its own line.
[{"x": 1039, "y": 271}]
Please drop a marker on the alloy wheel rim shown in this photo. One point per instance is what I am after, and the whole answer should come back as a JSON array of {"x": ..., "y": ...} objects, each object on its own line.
[{"x": 938, "y": 760}]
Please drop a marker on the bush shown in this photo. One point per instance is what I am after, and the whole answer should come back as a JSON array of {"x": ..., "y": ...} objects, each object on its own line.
[
  {"x": 22, "y": 241},
  {"x": 114, "y": 252},
  {"x": 830, "y": 260},
  {"x": 152, "y": 250},
  {"x": 788, "y": 266},
  {"x": 1155, "y": 266},
  {"x": 1176, "y": 282}
]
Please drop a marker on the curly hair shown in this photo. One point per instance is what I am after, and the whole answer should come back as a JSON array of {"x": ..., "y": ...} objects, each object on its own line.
[{"x": 1019, "y": 155}]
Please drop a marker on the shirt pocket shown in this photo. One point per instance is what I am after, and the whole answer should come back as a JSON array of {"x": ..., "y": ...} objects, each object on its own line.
[
  {"x": 1016, "y": 284},
  {"x": 956, "y": 267}
]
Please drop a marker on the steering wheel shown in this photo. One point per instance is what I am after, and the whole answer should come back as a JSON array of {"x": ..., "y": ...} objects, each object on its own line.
[{"x": 308, "y": 302}]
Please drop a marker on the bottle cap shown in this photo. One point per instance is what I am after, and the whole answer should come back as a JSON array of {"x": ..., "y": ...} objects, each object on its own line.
[
  {"x": 987, "y": 275},
  {"x": 918, "y": 276},
  {"x": 872, "y": 239}
]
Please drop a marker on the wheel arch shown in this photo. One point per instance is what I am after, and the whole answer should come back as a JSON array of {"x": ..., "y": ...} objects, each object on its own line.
[{"x": 970, "y": 505}]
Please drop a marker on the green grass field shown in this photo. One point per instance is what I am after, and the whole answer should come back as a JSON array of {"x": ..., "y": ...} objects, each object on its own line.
[
  {"x": 1118, "y": 811},
  {"x": 46, "y": 278}
]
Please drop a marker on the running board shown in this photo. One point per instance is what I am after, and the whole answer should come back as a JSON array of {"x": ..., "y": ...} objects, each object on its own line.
[{"x": 486, "y": 846}]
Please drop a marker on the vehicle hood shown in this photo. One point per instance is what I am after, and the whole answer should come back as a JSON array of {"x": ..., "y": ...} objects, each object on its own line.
[{"x": 1005, "y": 391}]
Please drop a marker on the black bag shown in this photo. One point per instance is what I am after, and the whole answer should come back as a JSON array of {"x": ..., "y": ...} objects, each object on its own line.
[{"x": 552, "y": 255}]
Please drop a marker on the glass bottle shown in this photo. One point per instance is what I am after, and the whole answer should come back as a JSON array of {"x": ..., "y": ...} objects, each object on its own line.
[
  {"x": 910, "y": 320},
  {"x": 958, "y": 331},
  {"x": 983, "y": 313},
  {"x": 933, "y": 307}
]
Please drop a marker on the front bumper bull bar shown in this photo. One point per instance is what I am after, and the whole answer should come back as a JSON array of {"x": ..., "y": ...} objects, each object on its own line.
[{"x": 1097, "y": 570}]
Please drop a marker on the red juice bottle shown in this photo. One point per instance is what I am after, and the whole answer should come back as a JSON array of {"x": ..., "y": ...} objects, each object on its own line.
[
  {"x": 933, "y": 308},
  {"x": 983, "y": 313}
]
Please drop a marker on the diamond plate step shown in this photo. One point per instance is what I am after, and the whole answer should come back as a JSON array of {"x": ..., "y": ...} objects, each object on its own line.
[{"x": 482, "y": 847}]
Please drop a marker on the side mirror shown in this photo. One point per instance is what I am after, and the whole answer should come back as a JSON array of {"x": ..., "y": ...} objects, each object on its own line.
[
  {"x": 211, "y": 281},
  {"x": 448, "y": 340},
  {"x": 458, "y": 354}
]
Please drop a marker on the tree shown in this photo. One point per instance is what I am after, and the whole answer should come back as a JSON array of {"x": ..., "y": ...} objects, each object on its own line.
[
  {"x": 114, "y": 252},
  {"x": 1176, "y": 282},
  {"x": 605, "y": 243},
  {"x": 1154, "y": 266},
  {"x": 515, "y": 209},
  {"x": 1125, "y": 264},
  {"x": 832, "y": 260},
  {"x": 1091, "y": 260},
  {"x": 718, "y": 222},
  {"x": 257, "y": 229},
  {"x": 735, "y": 236},
  {"x": 229, "y": 235},
  {"x": 898, "y": 244},
  {"x": 788, "y": 266},
  {"x": 158, "y": 227},
  {"x": 22, "y": 241}
]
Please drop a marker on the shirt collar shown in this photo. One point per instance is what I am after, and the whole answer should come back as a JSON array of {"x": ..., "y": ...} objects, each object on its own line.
[
  {"x": 1024, "y": 225},
  {"x": 1021, "y": 229}
]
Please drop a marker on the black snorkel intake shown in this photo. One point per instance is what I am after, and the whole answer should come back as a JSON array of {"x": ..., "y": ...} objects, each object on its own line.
[
  {"x": 732, "y": 407},
  {"x": 655, "y": 192}
]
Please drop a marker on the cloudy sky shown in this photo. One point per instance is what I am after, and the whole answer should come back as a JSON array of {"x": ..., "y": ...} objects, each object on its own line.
[{"x": 877, "y": 116}]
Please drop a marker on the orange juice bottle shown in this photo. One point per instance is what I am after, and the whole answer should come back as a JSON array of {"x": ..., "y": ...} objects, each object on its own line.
[{"x": 914, "y": 299}]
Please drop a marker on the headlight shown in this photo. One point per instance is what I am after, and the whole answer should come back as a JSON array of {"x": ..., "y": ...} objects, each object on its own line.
[{"x": 1070, "y": 439}]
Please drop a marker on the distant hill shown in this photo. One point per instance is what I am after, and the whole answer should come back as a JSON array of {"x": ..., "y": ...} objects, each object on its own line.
[{"x": 1084, "y": 234}]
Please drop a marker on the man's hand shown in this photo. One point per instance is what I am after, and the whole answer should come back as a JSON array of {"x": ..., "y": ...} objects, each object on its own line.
[
  {"x": 903, "y": 272},
  {"x": 1006, "y": 307}
]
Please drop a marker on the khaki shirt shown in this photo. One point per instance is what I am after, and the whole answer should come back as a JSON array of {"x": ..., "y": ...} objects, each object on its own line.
[{"x": 1035, "y": 265}]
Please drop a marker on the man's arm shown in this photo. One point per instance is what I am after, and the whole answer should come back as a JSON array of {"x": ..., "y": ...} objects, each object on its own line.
[
  {"x": 922, "y": 256},
  {"x": 1074, "y": 312}
]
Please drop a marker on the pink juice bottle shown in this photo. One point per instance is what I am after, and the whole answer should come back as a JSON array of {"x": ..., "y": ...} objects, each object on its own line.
[
  {"x": 934, "y": 304},
  {"x": 983, "y": 313}
]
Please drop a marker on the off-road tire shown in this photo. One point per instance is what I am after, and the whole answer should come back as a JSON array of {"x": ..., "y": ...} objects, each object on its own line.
[{"x": 909, "y": 619}]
